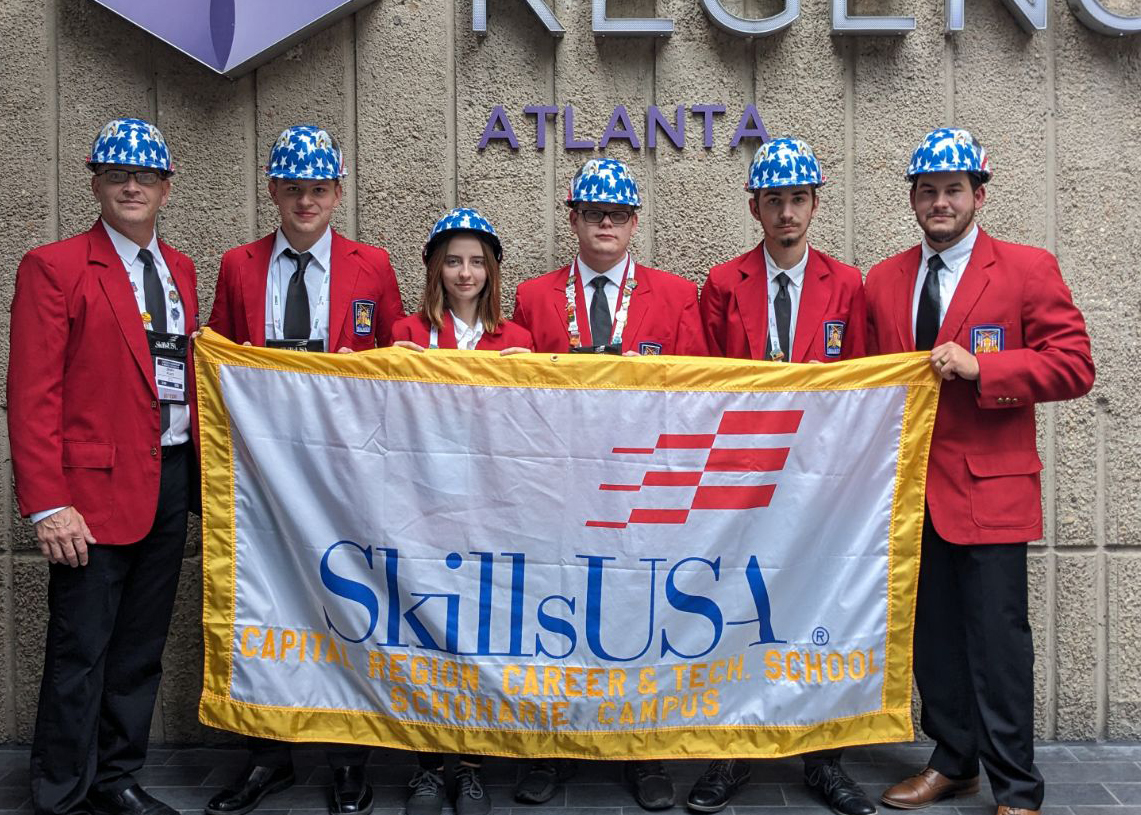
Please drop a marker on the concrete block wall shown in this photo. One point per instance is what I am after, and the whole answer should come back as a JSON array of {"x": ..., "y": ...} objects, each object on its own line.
[{"x": 408, "y": 88}]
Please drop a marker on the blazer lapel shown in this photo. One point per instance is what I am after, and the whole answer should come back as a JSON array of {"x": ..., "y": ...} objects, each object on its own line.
[
  {"x": 116, "y": 285},
  {"x": 904, "y": 291},
  {"x": 342, "y": 284},
  {"x": 184, "y": 282},
  {"x": 640, "y": 300},
  {"x": 751, "y": 299},
  {"x": 558, "y": 304},
  {"x": 975, "y": 279},
  {"x": 813, "y": 304},
  {"x": 254, "y": 275}
]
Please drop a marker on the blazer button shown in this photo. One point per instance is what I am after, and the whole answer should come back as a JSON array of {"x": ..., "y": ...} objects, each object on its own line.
[
  {"x": 154, "y": 451},
  {"x": 154, "y": 404}
]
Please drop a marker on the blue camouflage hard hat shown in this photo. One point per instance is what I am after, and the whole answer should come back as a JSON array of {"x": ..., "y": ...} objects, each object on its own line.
[
  {"x": 949, "y": 150},
  {"x": 603, "y": 181},
  {"x": 132, "y": 143},
  {"x": 784, "y": 162},
  {"x": 463, "y": 219},
  {"x": 306, "y": 152}
]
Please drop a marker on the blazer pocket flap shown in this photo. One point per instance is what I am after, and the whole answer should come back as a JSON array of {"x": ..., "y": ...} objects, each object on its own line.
[
  {"x": 990, "y": 465},
  {"x": 95, "y": 455}
]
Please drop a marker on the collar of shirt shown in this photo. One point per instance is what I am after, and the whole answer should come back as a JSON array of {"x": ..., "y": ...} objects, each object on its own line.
[
  {"x": 467, "y": 336},
  {"x": 613, "y": 274},
  {"x": 795, "y": 274},
  {"x": 321, "y": 251},
  {"x": 128, "y": 250},
  {"x": 956, "y": 257}
]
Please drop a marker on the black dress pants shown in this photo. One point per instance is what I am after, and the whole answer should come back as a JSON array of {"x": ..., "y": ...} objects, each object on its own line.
[
  {"x": 106, "y": 631},
  {"x": 974, "y": 665}
]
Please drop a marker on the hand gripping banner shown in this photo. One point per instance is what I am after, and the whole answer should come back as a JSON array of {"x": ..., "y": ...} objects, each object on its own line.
[{"x": 561, "y": 555}]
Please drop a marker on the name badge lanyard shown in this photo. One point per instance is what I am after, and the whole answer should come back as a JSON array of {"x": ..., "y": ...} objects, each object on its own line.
[
  {"x": 319, "y": 311},
  {"x": 775, "y": 353},
  {"x": 170, "y": 363},
  {"x": 573, "y": 284}
]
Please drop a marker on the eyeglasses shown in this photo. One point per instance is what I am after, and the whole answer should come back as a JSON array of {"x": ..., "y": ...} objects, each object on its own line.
[
  {"x": 616, "y": 216},
  {"x": 145, "y": 177}
]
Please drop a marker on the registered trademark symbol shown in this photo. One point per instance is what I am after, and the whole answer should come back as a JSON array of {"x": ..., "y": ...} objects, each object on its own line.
[{"x": 820, "y": 636}]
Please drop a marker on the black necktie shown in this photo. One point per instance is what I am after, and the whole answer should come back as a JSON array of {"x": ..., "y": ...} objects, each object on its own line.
[
  {"x": 600, "y": 324},
  {"x": 782, "y": 310},
  {"x": 927, "y": 316},
  {"x": 296, "y": 324},
  {"x": 155, "y": 298}
]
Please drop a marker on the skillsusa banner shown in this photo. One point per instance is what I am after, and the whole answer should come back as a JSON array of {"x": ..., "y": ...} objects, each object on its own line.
[{"x": 561, "y": 555}]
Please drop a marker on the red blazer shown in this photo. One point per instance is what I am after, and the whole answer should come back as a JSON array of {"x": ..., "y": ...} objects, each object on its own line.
[
  {"x": 662, "y": 319},
  {"x": 734, "y": 309},
  {"x": 83, "y": 415},
  {"x": 362, "y": 284},
  {"x": 415, "y": 328},
  {"x": 983, "y": 471}
]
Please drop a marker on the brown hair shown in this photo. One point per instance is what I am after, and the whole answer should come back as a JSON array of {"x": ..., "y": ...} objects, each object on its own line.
[{"x": 487, "y": 307}]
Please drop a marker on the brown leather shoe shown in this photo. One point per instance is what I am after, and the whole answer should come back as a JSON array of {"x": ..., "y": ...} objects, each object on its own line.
[
  {"x": 927, "y": 788},
  {"x": 1015, "y": 811}
]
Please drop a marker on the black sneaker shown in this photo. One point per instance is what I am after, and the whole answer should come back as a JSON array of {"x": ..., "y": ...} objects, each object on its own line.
[
  {"x": 718, "y": 784},
  {"x": 427, "y": 796},
  {"x": 541, "y": 780},
  {"x": 652, "y": 786},
  {"x": 471, "y": 797},
  {"x": 841, "y": 793}
]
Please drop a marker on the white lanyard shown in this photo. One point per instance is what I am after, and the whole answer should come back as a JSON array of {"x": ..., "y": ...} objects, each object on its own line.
[
  {"x": 628, "y": 285},
  {"x": 775, "y": 353},
  {"x": 319, "y": 311}
]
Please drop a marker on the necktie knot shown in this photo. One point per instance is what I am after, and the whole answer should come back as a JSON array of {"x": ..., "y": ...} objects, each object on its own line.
[
  {"x": 300, "y": 258},
  {"x": 146, "y": 257},
  {"x": 783, "y": 280},
  {"x": 599, "y": 284},
  {"x": 935, "y": 264}
]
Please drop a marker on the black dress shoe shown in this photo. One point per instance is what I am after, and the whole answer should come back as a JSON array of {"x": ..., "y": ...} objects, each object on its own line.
[
  {"x": 541, "y": 780},
  {"x": 134, "y": 800},
  {"x": 351, "y": 793},
  {"x": 652, "y": 786},
  {"x": 246, "y": 793},
  {"x": 841, "y": 793},
  {"x": 717, "y": 785}
]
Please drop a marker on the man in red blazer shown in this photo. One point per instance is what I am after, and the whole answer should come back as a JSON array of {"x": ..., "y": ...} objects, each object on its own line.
[
  {"x": 1004, "y": 335},
  {"x": 347, "y": 290},
  {"x": 304, "y": 287},
  {"x": 783, "y": 300},
  {"x": 642, "y": 310},
  {"x": 100, "y": 395},
  {"x": 605, "y": 302}
]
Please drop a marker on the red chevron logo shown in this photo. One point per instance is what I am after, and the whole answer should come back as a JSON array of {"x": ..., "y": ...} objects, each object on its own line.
[{"x": 706, "y": 496}]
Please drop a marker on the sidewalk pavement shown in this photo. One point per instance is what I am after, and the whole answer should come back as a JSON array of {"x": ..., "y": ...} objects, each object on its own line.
[{"x": 1082, "y": 778}]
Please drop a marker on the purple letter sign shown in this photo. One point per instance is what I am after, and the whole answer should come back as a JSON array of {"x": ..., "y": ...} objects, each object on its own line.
[{"x": 232, "y": 36}]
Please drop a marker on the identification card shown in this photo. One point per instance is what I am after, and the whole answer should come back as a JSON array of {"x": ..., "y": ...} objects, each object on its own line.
[
  {"x": 296, "y": 345},
  {"x": 169, "y": 354}
]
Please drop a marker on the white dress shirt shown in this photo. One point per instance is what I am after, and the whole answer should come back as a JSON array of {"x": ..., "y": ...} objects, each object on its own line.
[
  {"x": 795, "y": 288},
  {"x": 467, "y": 337},
  {"x": 955, "y": 260},
  {"x": 613, "y": 286},
  {"x": 281, "y": 268}
]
